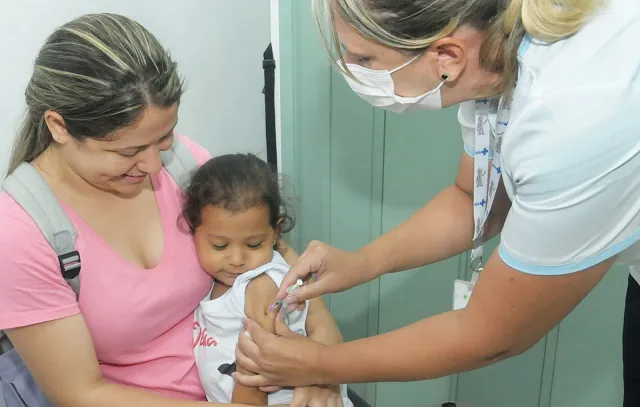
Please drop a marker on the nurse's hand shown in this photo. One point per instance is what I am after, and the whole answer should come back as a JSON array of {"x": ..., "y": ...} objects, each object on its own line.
[
  {"x": 336, "y": 270},
  {"x": 283, "y": 359},
  {"x": 316, "y": 396}
]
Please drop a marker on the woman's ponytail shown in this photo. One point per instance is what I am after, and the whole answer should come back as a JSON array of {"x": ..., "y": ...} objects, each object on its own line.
[
  {"x": 544, "y": 20},
  {"x": 553, "y": 20}
]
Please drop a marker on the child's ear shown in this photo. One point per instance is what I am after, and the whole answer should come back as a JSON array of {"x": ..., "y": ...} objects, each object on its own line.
[{"x": 278, "y": 231}]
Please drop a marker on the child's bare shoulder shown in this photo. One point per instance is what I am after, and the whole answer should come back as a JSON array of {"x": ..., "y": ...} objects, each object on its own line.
[{"x": 261, "y": 293}]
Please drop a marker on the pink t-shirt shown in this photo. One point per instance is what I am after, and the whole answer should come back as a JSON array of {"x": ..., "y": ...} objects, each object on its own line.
[{"x": 141, "y": 320}]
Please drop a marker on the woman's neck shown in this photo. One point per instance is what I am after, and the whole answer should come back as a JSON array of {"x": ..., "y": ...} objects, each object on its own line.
[{"x": 474, "y": 80}]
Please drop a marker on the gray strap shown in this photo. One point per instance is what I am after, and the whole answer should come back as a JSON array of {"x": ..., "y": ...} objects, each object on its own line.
[
  {"x": 179, "y": 162},
  {"x": 34, "y": 195}
]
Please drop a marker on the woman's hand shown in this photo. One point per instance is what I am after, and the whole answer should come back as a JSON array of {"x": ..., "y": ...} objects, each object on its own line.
[
  {"x": 336, "y": 270},
  {"x": 283, "y": 359}
]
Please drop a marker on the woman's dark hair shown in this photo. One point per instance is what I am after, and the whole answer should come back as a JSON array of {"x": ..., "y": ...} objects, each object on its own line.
[
  {"x": 99, "y": 72},
  {"x": 236, "y": 182}
]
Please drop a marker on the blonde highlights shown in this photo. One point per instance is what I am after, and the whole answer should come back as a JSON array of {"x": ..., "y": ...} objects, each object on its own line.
[
  {"x": 412, "y": 26},
  {"x": 99, "y": 72}
]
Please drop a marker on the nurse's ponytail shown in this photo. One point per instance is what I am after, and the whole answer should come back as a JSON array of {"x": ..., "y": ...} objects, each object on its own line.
[
  {"x": 544, "y": 20},
  {"x": 550, "y": 20}
]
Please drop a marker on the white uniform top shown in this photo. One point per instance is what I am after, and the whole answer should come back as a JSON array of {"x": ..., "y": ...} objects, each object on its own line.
[
  {"x": 571, "y": 151},
  {"x": 217, "y": 326}
]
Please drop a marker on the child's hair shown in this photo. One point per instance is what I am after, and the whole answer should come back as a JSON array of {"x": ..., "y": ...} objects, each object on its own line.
[{"x": 236, "y": 182}]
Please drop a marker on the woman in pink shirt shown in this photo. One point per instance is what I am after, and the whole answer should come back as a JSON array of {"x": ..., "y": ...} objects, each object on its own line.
[{"x": 102, "y": 104}]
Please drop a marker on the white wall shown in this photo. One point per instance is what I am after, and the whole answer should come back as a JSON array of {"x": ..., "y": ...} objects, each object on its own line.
[{"x": 217, "y": 43}]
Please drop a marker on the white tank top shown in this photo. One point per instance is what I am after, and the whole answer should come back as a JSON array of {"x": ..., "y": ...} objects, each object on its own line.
[{"x": 217, "y": 326}]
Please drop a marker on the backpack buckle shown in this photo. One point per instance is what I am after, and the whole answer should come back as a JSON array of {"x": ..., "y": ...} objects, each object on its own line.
[{"x": 70, "y": 264}]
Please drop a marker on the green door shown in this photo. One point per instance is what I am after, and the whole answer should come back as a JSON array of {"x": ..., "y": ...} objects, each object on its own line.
[{"x": 355, "y": 172}]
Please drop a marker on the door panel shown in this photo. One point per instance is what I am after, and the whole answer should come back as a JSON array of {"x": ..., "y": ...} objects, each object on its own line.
[
  {"x": 354, "y": 209},
  {"x": 512, "y": 382},
  {"x": 421, "y": 159},
  {"x": 588, "y": 364}
]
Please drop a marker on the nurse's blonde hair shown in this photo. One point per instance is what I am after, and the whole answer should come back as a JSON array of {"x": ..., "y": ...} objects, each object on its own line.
[
  {"x": 413, "y": 25},
  {"x": 99, "y": 72}
]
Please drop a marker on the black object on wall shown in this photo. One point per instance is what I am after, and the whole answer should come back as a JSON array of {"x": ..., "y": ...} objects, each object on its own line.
[
  {"x": 356, "y": 399},
  {"x": 269, "y": 67}
]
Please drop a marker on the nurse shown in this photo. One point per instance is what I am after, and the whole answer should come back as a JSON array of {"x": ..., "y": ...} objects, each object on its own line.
[{"x": 549, "y": 99}]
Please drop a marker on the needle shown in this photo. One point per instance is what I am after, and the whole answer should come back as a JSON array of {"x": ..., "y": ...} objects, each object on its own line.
[{"x": 291, "y": 290}]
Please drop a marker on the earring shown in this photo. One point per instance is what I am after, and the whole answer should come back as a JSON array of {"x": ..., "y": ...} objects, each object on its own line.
[{"x": 444, "y": 76}]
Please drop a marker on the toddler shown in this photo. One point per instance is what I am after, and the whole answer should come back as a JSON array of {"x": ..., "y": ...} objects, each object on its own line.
[{"x": 236, "y": 213}]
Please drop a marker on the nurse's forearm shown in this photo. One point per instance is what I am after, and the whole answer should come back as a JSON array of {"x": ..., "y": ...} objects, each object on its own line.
[
  {"x": 441, "y": 229},
  {"x": 405, "y": 354}
]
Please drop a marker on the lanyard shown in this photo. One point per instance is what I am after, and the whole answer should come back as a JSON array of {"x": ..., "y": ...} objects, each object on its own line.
[{"x": 485, "y": 185}]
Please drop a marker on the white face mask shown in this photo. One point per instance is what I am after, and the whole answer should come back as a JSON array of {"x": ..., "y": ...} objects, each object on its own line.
[{"x": 377, "y": 88}]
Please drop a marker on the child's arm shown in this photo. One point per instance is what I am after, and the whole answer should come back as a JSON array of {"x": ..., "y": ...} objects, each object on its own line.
[
  {"x": 321, "y": 327},
  {"x": 260, "y": 294}
]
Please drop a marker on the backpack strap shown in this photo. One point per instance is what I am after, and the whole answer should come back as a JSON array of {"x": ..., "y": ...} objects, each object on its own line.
[
  {"x": 30, "y": 190},
  {"x": 179, "y": 162}
]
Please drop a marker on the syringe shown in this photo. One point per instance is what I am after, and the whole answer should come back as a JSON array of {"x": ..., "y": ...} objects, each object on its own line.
[{"x": 291, "y": 290}]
